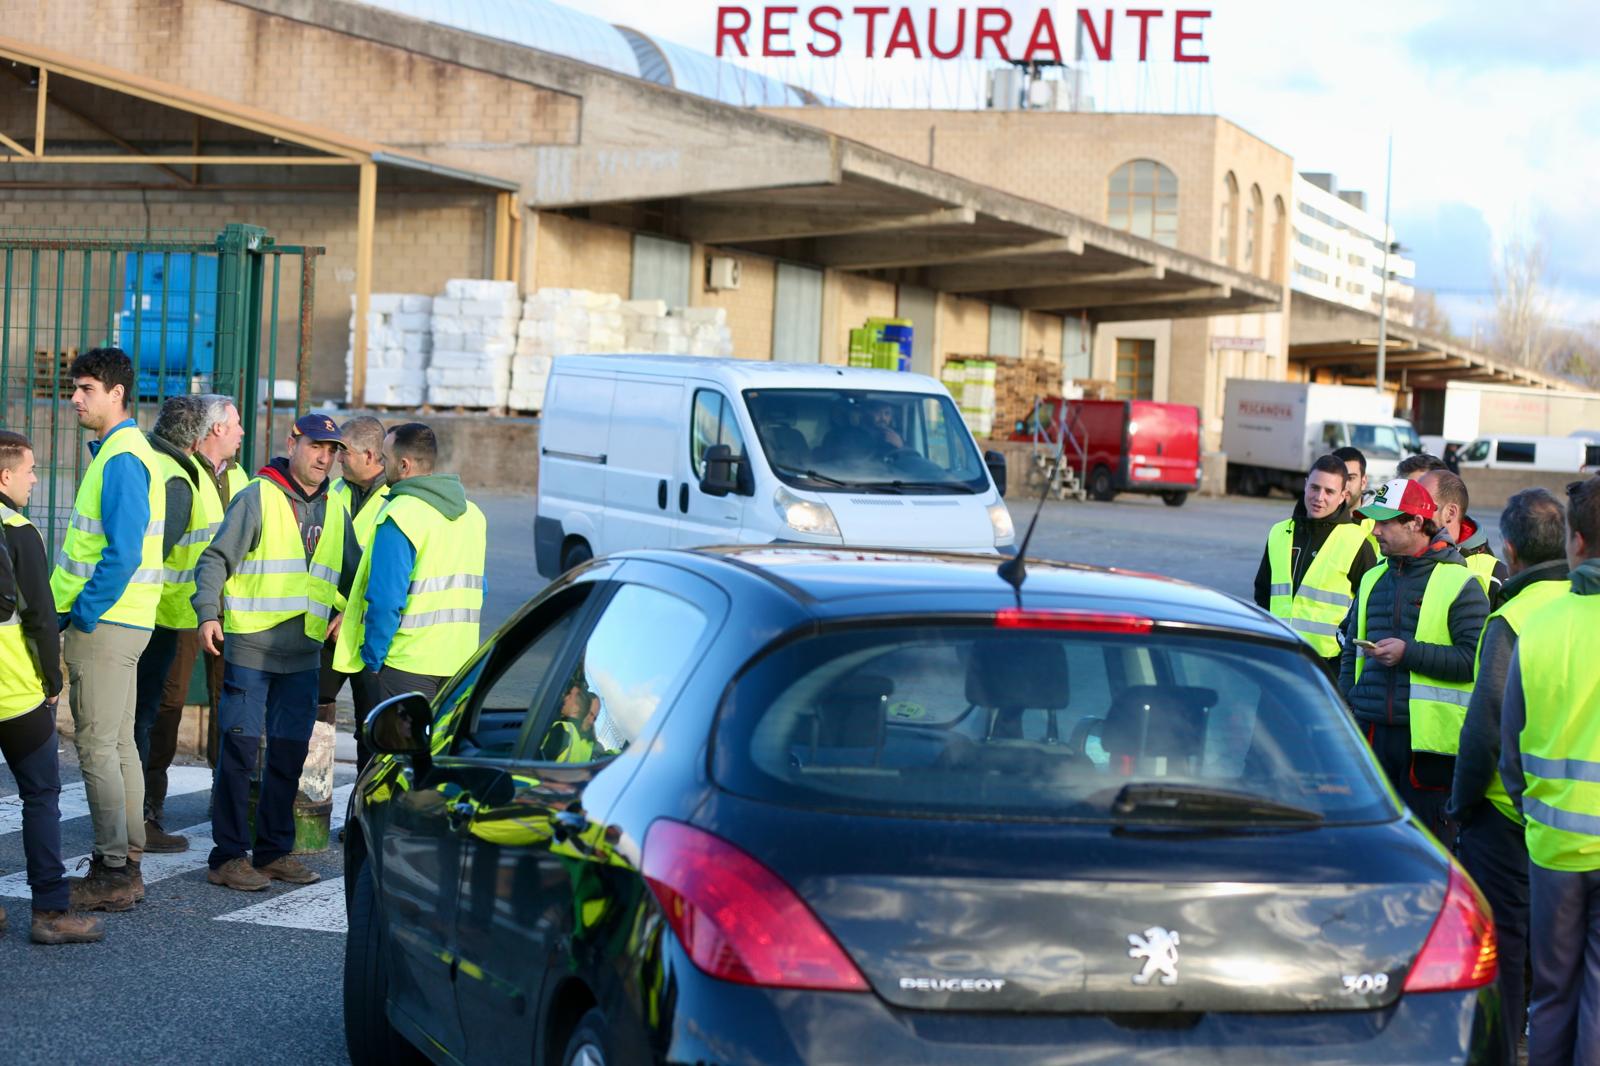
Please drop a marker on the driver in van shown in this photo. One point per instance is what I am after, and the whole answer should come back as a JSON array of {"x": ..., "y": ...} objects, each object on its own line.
[{"x": 879, "y": 421}]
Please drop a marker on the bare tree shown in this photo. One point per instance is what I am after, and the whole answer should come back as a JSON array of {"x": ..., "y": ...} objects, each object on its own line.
[
  {"x": 1577, "y": 354},
  {"x": 1428, "y": 316},
  {"x": 1523, "y": 330}
]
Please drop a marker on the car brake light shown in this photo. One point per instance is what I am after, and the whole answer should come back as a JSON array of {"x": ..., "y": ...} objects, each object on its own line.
[
  {"x": 737, "y": 919},
  {"x": 1072, "y": 621},
  {"x": 1460, "y": 952}
]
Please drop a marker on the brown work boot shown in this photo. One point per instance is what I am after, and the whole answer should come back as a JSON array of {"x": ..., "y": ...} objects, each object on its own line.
[
  {"x": 66, "y": 927},
  {"x": 160, "y": 841},
  {"x": 287, "y": 868},
  {"x": 136, "y": 875},
  {"x": 238, "y": 874},
  {"x": 103, "y": 889}
]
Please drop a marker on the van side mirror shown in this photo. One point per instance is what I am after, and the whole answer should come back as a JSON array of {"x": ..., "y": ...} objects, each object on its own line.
[
  {"x": 996, "y": 462},
  {"x": 724, "y": 471},
  {"x": 401, "y": 725}
]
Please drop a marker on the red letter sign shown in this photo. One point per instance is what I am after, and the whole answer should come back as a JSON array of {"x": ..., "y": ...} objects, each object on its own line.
[
  {"x": 819, "y": 30},
  {"x": 981, "y": 34},
  {"x": 1180, "y": 35},
  {"x": 872, "y": 14},
  {"x": 1102, "y": 48},
  {"x": 903, "y": 36},
  {"x": 933, "y": 33},
  {"x": 1144, "y": 16},
  {"x": 735, "y": 32},
  {"x": 1043, "y": 39},
  {"x": 769, "y": 32}
]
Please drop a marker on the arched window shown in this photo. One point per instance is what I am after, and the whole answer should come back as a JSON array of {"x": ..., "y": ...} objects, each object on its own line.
[
  {"x": 1280, "y": 218},
  {"x": 1226, "y": 242},
  {"x": 1252, "y": 231},
  {"x": 1144, "y": 201}
]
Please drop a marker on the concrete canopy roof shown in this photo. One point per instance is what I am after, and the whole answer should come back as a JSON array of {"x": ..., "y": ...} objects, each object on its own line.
[{"x": 1330, "y": 336}]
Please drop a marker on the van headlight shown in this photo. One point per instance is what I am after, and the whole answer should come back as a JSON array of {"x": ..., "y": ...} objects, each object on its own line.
[
  {"x": 804, "y": 516},
  {"x": 1000, "y": 519}
]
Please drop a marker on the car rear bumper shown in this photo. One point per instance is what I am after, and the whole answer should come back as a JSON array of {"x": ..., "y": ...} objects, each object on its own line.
[{"x": 735, "y": 1024}]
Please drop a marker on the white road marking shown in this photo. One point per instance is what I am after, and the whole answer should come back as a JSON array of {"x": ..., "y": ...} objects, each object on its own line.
[
  {"x": 181, "y": 780},
  {"x": 318, "y": 907},
  {"x": 160, "y": 867}
]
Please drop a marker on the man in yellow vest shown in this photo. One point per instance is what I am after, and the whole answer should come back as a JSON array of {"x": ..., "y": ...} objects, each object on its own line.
[
  {"x": 30, "y": 683},
  {"x": 190, "y": 524},
  {"x": 1550, "y": 765},
  {"x": 265, "y": 594},
  {"x": 107, "y": 585},
  {"x": 1491, "y": 845},
  {"x": 1313, "y": 563},
  {"x": 1450, "y": 493},
  {"x": 363, "y": 490},
  {"x": 415, "y": 605},
  {"x": 1409, "y": 647}
]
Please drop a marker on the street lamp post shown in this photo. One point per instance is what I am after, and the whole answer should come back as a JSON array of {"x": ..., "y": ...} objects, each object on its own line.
[{"x": 1383, "y": 284}]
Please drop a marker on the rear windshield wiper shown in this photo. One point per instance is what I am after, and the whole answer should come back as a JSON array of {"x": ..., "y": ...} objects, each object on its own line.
[{"x": 1140, "y": 801}]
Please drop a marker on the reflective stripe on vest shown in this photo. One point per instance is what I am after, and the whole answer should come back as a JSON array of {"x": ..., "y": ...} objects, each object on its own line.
[
  {"x": 439, "y": 624},
  {"x": 85, "y": 541},
  {"x": 1436, "y": 708},
  {"x": 1515, "y": 613},
  {"x": 175, "y": 610},
  {"x": 274, "y": 583},
  {"x": 21, "y": 680},
  {"x": 1317, "y": 608},
  {"x": 1560, "y": 736}
]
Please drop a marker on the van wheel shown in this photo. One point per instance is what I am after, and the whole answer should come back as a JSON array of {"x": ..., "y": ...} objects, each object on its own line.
[
  {"x": 588, "y": 1044},
  {"x": 1100, "y": 485},
  {"x": 1174, "y": 499},
  {"x": 575, "y": 552},
  {"x": 369, "y": 1038}
]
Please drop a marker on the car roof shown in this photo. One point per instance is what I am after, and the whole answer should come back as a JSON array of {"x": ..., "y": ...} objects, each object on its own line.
[
  {"x": 751, "y": 373},
  {"x": 841, "y": 583}
]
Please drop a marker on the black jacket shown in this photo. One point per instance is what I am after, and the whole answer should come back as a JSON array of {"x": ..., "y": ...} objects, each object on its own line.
[
  {"x": 1310, "y": 534},
  {"x": 24, "y": 552},
  {"x": 1383, "y": 695}
]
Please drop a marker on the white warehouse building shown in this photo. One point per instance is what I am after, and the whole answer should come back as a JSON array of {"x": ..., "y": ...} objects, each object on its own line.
[{"x": 1338, "y": 250}]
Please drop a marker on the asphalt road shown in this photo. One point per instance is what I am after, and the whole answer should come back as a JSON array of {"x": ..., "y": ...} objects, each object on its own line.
[{"x": 203, "y": 974}]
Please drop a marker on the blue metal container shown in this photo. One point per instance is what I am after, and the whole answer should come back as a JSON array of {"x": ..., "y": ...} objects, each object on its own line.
[{"x": 175, "y": 352}]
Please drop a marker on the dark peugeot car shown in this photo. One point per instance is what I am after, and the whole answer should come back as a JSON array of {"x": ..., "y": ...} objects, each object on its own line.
[{"x": 783, "y": 805}]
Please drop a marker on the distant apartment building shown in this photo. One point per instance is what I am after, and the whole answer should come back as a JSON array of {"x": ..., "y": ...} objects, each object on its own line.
[{"x": 1338, "y": 250}]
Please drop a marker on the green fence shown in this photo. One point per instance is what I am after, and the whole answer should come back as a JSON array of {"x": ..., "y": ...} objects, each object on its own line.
[{"x": 196, "y": 312}]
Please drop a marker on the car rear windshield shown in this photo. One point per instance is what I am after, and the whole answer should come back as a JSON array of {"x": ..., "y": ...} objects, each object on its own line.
[{"x": 973, "y": 721}]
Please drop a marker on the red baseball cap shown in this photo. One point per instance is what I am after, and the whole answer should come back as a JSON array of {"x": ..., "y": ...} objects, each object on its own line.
[{"x": 1399, "y": 497}]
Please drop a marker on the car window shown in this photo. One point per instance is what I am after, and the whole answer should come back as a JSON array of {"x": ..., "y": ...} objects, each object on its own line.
[
  {"x": 1514, "y": 451},
  {"x": 505, "y": 685},
  {"x": 713, "y": 423},
  {"x": 1477, "y": 451},
  {"x": 962, "y": 720},
  {"x": 631, "y": 664}
]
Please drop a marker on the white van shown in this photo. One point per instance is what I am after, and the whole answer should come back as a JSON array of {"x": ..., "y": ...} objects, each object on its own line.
[
  {"x": 642, "y": 451},
  {"x": 1563, "y": 454}
]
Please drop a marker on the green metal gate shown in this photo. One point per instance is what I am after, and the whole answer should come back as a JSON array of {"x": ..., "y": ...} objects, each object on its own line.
[{"x": 195, "y": 311}]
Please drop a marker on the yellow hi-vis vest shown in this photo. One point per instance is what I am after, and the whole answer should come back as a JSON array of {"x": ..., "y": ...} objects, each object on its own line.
[
  {"x": 366, "y": 519},
  {"x": 1437, "y": 707},
  {"x": 85, "y": 541},
  {"x": 274, "y": 583},
  {"x": 1516, "y": 613},
  {"x": 1482, "y": 566},
  {"x": 1560, "y": 736},
  {"x": 439, "y": 624},
  {"x": 21, "y": 680},
  {"x": 1317, "y": 608},
  {"x": 205, "y": 518}
]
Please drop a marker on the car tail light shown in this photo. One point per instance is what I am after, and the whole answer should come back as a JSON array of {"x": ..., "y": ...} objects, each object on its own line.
[
  {"x": 1460, "y": 952},
  {"x": 1072, "y": 621},
  {"x": 737, "y": 919}
]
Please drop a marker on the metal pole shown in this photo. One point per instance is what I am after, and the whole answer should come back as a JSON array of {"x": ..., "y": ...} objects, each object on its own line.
[{"x": 1383, "y": 286}]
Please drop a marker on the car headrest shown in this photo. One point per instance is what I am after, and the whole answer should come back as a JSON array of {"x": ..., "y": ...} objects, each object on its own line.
[
  {"x": 1146, "y": 721},
  {"x": 851, "y": 712},
  {"x": 1013, "y": 672}
]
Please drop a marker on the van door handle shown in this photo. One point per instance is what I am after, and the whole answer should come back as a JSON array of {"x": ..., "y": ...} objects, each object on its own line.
[
  {"x": 661, "y": 494},
  {"x": 683, "y": 497}
]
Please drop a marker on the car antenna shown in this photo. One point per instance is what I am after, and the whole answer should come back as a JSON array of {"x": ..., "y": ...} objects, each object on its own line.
[{"x": 1014, "y": 571}]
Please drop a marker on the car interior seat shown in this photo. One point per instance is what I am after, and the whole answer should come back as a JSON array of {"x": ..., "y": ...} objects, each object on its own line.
[
  {"x": 847, "y": 724},
  {"x": 1157, "y": 729},
  {"x": 1008, "y": 677}
]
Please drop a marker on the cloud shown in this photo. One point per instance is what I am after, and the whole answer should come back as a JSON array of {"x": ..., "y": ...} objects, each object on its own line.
[
  {"x": 1452, "y": 244},
  {"x": 1481, "y": 34}
]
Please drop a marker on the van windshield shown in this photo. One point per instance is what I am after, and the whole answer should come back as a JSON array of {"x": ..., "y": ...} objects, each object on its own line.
[
  {"x": 854, "y": 440},
  {"x": 1380, "y": 442}
]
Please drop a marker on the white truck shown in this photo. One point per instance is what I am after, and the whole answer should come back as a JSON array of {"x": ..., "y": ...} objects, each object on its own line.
[
  {"x": 1272, "y": 431},
  {"x": 1474, "y": 411}
]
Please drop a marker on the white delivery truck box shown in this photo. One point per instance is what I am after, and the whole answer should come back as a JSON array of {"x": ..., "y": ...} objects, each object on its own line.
[
  {"x": 1272, "y": 431},
  {"x": 649, "y": 451}
]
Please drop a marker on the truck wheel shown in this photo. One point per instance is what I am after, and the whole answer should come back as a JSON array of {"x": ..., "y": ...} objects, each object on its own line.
[
  {"x": 1100, "y": 485},
  {"x": 1174, "y": 499},
  {"x": 1251, "y": 484},
  {"x": 575, "y": 552}
]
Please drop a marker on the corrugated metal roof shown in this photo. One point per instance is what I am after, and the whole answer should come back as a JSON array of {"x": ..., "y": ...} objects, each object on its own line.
[
  {"x": 695, "y": 72},
  {"x": 535, "y": 24}
]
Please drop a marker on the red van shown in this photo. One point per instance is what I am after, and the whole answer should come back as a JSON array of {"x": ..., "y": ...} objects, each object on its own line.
[{"x": 1124, "y": 445}]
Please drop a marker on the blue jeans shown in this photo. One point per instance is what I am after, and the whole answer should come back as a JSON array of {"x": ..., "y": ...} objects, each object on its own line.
[
  {"x": 285, "y": 706},
  {"x": 1494, "y": 852},
  {"x": 1564, "y": 935},
  {"x": 28, "y": 743}
]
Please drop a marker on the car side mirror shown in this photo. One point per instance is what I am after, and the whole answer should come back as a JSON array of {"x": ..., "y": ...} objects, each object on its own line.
[
  {"x": 401, "y": 725},
  {"x": 996, "y": 462},
  {"x": 723, "y": 470}
]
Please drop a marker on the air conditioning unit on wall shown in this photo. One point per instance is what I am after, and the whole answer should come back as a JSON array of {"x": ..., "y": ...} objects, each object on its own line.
[{"x": 722, "y": 272}]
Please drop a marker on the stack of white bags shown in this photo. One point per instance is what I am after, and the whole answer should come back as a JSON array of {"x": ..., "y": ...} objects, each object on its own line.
[
  {"x": 399, "y": 338},
  {"x": 560, "y": 322},
  {"x": 474, "y": 335}
]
